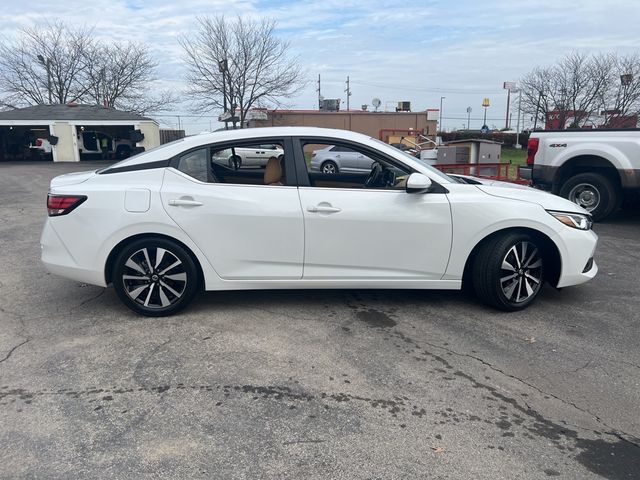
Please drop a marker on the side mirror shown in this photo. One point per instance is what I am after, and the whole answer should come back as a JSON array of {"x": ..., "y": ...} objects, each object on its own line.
[{"x": 418, "y": 183}]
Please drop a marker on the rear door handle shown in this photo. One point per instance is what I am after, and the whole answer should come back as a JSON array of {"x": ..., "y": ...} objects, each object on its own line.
[
  {"x": 323, "y": 209},
  {"x": 184, "y": 202}
]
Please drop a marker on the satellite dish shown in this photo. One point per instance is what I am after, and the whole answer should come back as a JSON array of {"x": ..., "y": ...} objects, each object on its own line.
[{"x": 376, "y": 103}]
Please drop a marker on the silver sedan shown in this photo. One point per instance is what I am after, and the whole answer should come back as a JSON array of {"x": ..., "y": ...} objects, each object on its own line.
[{"x": 337, "y": 158}]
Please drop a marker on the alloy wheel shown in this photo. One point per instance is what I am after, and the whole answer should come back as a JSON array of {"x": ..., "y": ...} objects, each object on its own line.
[
  {"x": 328, "y": 168},
  {"x": 521, "y": 272},
  {"x": 154, "y": 278}
]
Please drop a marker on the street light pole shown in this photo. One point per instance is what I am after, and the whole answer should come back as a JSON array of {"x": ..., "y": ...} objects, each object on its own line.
[
  {"x": 47, "y": 65},
  {"x": 518, "y": 122},
  {"x": 440, "y": 121},
  {"x": 222, "y": 68}
]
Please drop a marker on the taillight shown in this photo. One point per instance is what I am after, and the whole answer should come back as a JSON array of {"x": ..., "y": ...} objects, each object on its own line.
[
  {"x": 62, "y": 204},
  {"x": 532, "y": 149},
  {"x": 38, "y": 142}
]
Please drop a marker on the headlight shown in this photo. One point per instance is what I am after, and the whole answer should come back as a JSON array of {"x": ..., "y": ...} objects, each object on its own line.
[{"x": 573, "y": 220}]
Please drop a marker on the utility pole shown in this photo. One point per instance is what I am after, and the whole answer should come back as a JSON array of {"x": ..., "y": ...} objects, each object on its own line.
[
  {"x": 440, "y": 121},
  {"x": 222, "y": 67},
  {"x": 468, "y": 118},
  {"x": 518, "y": 122},
  {"x": 319, "y": 94},
  {"x": 348, "y": 91},
  {"x": 47, "y": 65},
  {"x": 506, "y": 121}
]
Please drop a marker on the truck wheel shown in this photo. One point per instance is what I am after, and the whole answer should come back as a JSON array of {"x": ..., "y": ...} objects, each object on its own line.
[{"x": 594, "y": 192}]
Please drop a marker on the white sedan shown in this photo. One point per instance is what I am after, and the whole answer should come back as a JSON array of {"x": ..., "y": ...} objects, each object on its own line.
[{"x": 169, "y": 222}]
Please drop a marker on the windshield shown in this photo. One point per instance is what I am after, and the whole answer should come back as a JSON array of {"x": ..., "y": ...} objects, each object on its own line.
[{"x": 435, "y": 171}]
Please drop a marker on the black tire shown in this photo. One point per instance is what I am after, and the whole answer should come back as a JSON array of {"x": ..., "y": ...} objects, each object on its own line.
[
  {"x": 489, "y": 274},
  {"x": 176, "y": 285},
  {"x": 596, "y": 193},
  {"x": 122, "y": 152},
  {"x": 329, "y": 165}
]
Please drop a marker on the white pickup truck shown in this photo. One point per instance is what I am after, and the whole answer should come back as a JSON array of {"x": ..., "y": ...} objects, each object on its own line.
[{"x": 594, "y": 168}]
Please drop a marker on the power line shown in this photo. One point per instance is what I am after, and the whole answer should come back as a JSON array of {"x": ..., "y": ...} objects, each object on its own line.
[{"x": 419, "y": 89}]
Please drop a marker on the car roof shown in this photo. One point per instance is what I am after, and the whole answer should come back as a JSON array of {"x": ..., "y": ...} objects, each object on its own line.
[{"x": 169, "y": 150}]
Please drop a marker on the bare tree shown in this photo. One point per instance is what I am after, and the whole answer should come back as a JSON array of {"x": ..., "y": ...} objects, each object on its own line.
[
  {"x": 238, "y": 64},
  {"x": 46, "y": 65},
  {"x": 581, "y": 86},
  {"x": 119, "y": 76},
  {"x": 622, "y": 98},
  {"x": 60, "y": 64}
]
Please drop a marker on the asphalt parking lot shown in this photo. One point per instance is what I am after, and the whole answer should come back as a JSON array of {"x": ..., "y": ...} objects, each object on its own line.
[{"x": 313, "y": 384}]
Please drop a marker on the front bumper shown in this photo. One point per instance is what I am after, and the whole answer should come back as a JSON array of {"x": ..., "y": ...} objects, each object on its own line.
[{"x": 580, "y": 247}]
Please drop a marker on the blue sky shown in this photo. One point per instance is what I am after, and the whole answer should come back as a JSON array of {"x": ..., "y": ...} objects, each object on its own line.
[{"x": 393, "y": 50}]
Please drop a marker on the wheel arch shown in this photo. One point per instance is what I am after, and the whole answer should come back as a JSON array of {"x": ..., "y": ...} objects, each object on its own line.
[
  {"x": 586, "y": 164},
  {"x": 115, "y": 251},
  {"x": 551, "y": 254}
]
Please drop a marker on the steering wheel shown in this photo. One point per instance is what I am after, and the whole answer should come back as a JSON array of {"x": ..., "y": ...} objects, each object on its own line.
[{"x": 374, "y": 176}]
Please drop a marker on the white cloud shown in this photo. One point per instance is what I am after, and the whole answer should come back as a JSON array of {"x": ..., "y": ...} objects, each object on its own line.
[{"x": 415, "y": 51}]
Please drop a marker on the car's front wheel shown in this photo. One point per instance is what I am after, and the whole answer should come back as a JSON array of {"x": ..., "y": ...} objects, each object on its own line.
[
  {"x": 508, "y": 271},
  {"x": 155, "y": 277}
]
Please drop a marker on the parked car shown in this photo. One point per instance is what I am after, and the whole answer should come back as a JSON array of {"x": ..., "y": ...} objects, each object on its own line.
[
  {"x": 164, "y": 224},
  {"x": 595, "y": 169},
  {"x": 339, "y": 158},
  {"x": 41, "y": 147},
  {"x": 89, "y": 143},
  {"x": 250, "y": 156}
]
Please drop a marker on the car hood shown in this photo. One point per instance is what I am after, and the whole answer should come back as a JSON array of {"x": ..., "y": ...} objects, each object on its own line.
[
  {"x": 71, "y": 178},
  {"x": 546, "y": 200}
]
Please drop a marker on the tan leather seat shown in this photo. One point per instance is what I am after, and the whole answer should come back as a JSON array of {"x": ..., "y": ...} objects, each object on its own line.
[{"x": 273, "y": 172}]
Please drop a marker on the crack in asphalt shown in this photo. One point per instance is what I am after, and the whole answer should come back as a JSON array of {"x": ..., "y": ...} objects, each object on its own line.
[
  {"x": 613, "y": 431},
  {"x": 13, "y": 349},
  {"x": 91, "y": 299},
  {"x": 620, "y": 435}
]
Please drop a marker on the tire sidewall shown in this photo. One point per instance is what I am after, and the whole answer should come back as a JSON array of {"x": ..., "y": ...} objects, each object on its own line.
[
  {"x": 605, "y": 188},
  {"x": 487, "y": 271},
  {"x": 150, "y": 243}
]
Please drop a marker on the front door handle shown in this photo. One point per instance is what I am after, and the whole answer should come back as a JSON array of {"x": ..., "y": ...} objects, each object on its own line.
[
  {"x": 184, "y": 202},
  {"x": 323, "y": 209}
]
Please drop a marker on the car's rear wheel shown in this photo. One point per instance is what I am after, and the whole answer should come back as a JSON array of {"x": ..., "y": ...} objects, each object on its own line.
[
  {"x": 155, "y": 277},
  {"x": 508, "y": 271},
  {"x": 329, "y": 167}
]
